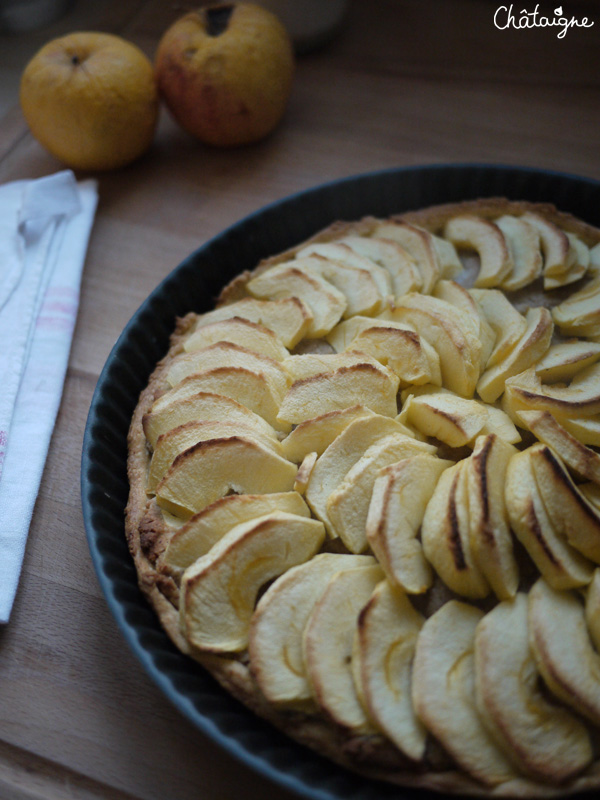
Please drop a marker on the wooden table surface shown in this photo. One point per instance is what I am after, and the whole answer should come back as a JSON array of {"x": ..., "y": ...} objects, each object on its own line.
[{"x": 405, "y": 82}]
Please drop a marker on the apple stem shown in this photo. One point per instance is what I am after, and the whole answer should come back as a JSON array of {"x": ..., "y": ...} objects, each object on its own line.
[{"x": 217, "y": 19}]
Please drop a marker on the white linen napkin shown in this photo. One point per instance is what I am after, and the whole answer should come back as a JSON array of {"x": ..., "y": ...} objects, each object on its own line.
[{"x": 45, "y": 225}]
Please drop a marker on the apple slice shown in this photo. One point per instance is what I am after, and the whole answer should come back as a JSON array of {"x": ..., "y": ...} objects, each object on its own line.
[
  {"x": 326, "y": 303},
  {"x": 581, "y": 459},
  {"x": 474, "y": 233},
  {"x": 316, "y": 434},
  {"x": 252, "y": 389},
  {"x": 382, "y": 659},
  {"x": 490, "y": 537},
  {"x": 443, "y": 689},
  {"x": 455, "y": 294},
  {"x": 542, "y": 739},
  {"x": 226, "y": 354},
  {"x": 529, "y": 349},
  {"x": 391, "y": 256},
  {"x": 450, "y": 263},
  {"x": 348, "y": 505},
  {"x": 304, "y": 472},
  {"x": 342, "y": 336},
  {"x": 524, "y": 245},
  {"x": 419, "y": 244},
  {"x": 585, "y": 429},
  {"x": 328, "y": 643},
  {"x": 568, "y": 663},
  {"x": 202, "y": 406},
  {"x": 346, "y": 255},
  {"x": 445, "y": 534},
  {"x": 196, "y": 536},
  {"x": 357, "y": 284},
  {"x": 210, "y": 470},
  {"x": 563, "y": 361},
  {"x": 581, "y": 398},
  {"x": 175, "y": 441},
  {"x": 560, "y": 564},
  {"x": 278, "y": 623},
  {"x": 238, "y": 331},
  {"x": 441, "y": 325},
  {"x": 307, "y": 365},
  {"x": 219, "y": 590},
  {"x": 452, "y": 419},
  {"x": 337, "y": 460},
  {"x": 507, "y": 324},
  {"x": 555, "y": 245},
  {"x": 331, "y": 391},
  {"x": 569, "y": 510},
  {"x": 398, "y": 501},
  {"x": 578, "y": 265},
  {"x": 581, "y": 312},
  {"x": 289, "y": 318},
  {"x": 592, "y": 609}
]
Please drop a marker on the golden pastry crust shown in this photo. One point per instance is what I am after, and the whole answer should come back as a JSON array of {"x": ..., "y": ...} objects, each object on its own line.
[{"x": 149, "y": 532}]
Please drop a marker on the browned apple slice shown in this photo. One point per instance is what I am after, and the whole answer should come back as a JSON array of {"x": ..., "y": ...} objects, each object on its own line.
[
  {"x": 507, "y": 324},
  {"x": 567, "y": 507},
  {"x": 560, "y": 564},
  {"x": 343, "y": 254},
  {"x": 316, "y": 434},
  {"x": 448, "y": 417},
  {"x": 348, "y": 505},
  {"x": 307, "y": 365},
  {"x": 210, "y": 470},
  {"x": 579, "y": 400},
  {"x": 542, "y": 739},
  {"x": 288, "y": 318},
  {"x": 443, "y": 690},
  {"x": 391, "y": 256},
  {"x": 524, "y": 245},
  {"x": 409, "y": 356},
  {"x": 382, "y": 660},
  {"x": 332, "y": 391},
  {"x": 226, "y": 354},
  {"x": 344, "y": 334},
  {"x": 567, "y": 662},
  {"x": 490, "y": 536},
  {"x": 458, "y": 296},
  {"x": 238, "y": 331},
  {"x": 419, "y": 243},
  {"x": 555, "y": 245},
  {"x": 328, "y": 642},
  {"x": 529, "y": 349},
  {"x": 277, "y": 626},
  {"x": 218, "y": 591},
  {"x": 196, "y": 536},
  {"x": 304, "y": 472},
  {"x": 578, "y": 264},
  {"x": 400, "y": 495},
  {"x": 592, "y": 609},
  {"x": 563, "y": 361},
  {"x": 474, "y": 233},
  {"x": 326, "y": 303},
  {"x": 581, "y": 459},
  {"x": 445, "y": 534},
  {"x": 580, "y": 313}
]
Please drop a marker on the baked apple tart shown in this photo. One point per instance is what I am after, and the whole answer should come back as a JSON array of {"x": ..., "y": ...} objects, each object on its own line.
[{"x": 365, "y": 495}]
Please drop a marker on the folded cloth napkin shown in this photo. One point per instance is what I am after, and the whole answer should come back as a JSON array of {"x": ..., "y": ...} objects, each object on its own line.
[{"x": 45, "y": 225}]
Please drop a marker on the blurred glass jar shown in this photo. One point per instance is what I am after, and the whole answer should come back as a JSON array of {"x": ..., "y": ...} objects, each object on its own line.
[{"x": 310, "y": 23}]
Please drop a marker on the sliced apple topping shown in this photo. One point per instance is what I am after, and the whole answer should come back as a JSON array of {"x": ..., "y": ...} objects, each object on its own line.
[
  {"x": 400, "y": 495},
  {"x": 226, "y": 354},
  {"x": 563, "y": 361},
  {"x": 332, "y": 391},
  {"x": 212, "y": 469},
  {"x": 328, "y": 644},
  {"x": 458, "y": 296},
  {"x": 578, "y": 264},
  {"x": 448, "y": 332},
  {"x": 529, "y": 349},
  {"x": 567, "y": 661},
  {"x": 316, "y": 434},
  {"x": 420, "y": 245},
  {"x": 559, "y": 563},
  {"x": 581, "y": 459},
  {"x": 382, "y": 660},
  {"x": 289, "y": 318},
  {"x": 524, "y": 245},
  {"x": 219, "y": 590},
  {"x": 490, "y": 537},
  {"x": 203, "y": 406},
  {"x": 238, "y": 331},
  {"x": 506, "y": 323},
  {"x": 391, "y": 256},
  {"x": 569, "y": 510},
  {"x": 443, "y": 689},
  {"x": 542, "y": 739},
  {"x": 341, "y": 455},
  {"x": 304, "y": 472},
  {"x": 555, "y": 246},
  {"x": 255, "y": 390},
  {"x": 580, "y": 313},
  {"x": 445, "y": 534},
  {"x": 277, "y": 626},
  {"x": 326, "y": 303},
  {"x": 474, "y": 233},
  {"x": 592, "y": 609},
  {"x": 307, "y": 365},
  {"x": 196, "y": 536},
  {"x": 581, "y": 398},
  {"x": 452, "y": 419},
  {"x": 348, "y": 505},
  {"x": 346, "y": 255}
]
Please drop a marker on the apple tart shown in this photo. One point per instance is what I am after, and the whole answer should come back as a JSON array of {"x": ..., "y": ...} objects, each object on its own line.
[{"x": 365, "y": 495}]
